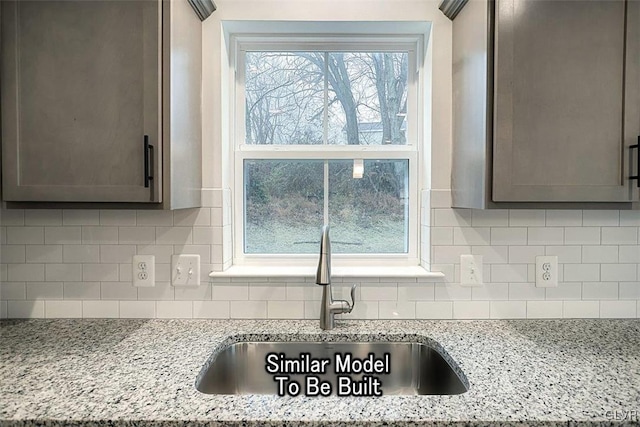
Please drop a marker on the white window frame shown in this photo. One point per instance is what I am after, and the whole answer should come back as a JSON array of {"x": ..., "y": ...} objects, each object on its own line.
[{"x": 411, "y": 151}]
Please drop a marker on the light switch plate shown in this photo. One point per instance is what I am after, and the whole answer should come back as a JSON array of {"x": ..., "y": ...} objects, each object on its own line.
[
  {"x": 185, "y": 270},
  {"x": 144, "y": 268},
  {"x": 470, "y": 270},
  {"x": 546, "y": 271}
]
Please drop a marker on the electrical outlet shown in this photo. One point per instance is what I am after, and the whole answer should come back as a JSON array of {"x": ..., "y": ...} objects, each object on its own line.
[
  {"x": 546, "y": 271},
  {"x": 144, "y": 267},
  {"x": 185, "y": 270},
  {"x": 470, "y": 270}
]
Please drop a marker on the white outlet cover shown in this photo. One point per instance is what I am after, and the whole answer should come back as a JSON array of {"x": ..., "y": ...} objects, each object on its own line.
[
  {"x": 185, "y": 270},
  {"x": 143, "y": 269},
  {"x": 546, "y": 271},
  {"x": 471, "y": 270}
]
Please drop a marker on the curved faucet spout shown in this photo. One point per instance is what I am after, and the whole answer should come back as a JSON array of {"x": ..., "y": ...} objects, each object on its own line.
[
  {"x": 329, "y": 307},
  {"x": 323, "y": 275}
]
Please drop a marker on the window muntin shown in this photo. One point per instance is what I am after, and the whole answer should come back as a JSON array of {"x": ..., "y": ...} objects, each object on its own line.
[{"x": 399, "y": 247}]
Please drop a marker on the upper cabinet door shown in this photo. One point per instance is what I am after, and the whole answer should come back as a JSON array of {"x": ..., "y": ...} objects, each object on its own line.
[
  {"x": 80, "y": 90},
  {"x": 566, "y": 101}
]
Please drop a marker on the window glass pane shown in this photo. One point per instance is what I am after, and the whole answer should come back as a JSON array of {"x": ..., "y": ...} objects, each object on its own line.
[
  {"x": 284, "y": 98},
  {"x": 283, "y": 209},
  {"x": 369, "y": 214},
  {"x": 367, "y": 98}
]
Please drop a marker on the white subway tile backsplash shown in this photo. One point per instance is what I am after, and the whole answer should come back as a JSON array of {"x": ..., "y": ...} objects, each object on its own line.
[
  {"x": 565, "y": 254},
  {"x": 416, "y": 292},
  {"x": 63, "y": 235},
  {"x": 434, "y": 310},
  {"x": 192, "y": 217},
  {"x": 526, "y": 218},
  {"x": 137, "y": 235},
  {"x": 448, "y": 292},
  {"x": 525, "y": 292},
  {"x": 267, "y": 292},
  {"x": 479, "y": 236},
  {"x": 100, "y": 272},
  {"x": 471, "y": 309},
  {"x": 630, "y": 254},
  {"x": 442, "y": 236},
  {"x": 492, "y": 254},
  {"x": 508, "y": 309},
  {"x": 118, "y": 217},
  {"x": 174, "y": 235},
  {"x": 62, "y": 309},
  {"x": 599, "y": 290},
  {"x": 25, "y": 309},
  {"x": 3, "y": 309},
  {"x": 174, "y": 309},
  {"x": 231, "y": 292},
  {"x": 564, "y": 291},
  {"x": 629, "y": 290},
  {"x": 581, "y": 309},
  {"x": 80, "y": 217},
  {"x": 619, "y": 236},
  {"x": 396, "y": 310},
  {"x": 362, "y": 310},
  {"x": 248, "y": 310},
  {"x": 504, "y": 273},
  {"x": 63, "y": 272},
  {"x": 117, "y": 253},
  {"x": 619, "y": 272},
  {"x": 600, "y": 218},
  {"x": 137, "y": 309},
  {"x": 582, "y": 235},
  {"x": 13, "y": 291},
  {"x": 81, "y": 253},
  {"x": 564, "y": 218},
  {"x": 490, "y": 292},
  {"x": 211, "y": 309},
  {"x": 43, "y": 217},
  {"x": 630, "y": 218},
  {"x": 618, "y": 309},
  {"x": 81, "y": 290},
  {"x": 44, "y": 290},
  {"x": 25, "y": 235},
  {"x": 100, "y": 235},
  {"x": 25, "y": 272},
  {"x": 490, "y": 218},
  {"x": 118, "y": 291},
  {"x": 162, "y": 291},
  {"x": 12, "y": 217},
  {"x": 162, "y": 253},
  {"x": 544, "y": 309},
  {"x": 525, "y": 254},
  {"x": 43, "y": 253},
  {"x": 545, "y": 236},
  {"x": 451, "y": 217},
  {"x": 378, "y": 291},
  {"x": 156, "y": 218},
  {"x": 12, "y": 254},
  {"x": 285, "y": 309},
  {"x": 509, "y": 236},
  {"x": 100, "y": 309},
  {"x": 599, "y": 254},
  {"x": 449, "y": 254},
  {"x": 582, "y": 272},
  {"x": 193, "y": 293}
]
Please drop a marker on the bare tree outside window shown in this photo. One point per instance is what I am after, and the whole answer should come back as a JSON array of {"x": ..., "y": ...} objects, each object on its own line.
[{"x": 332, "y": 98}]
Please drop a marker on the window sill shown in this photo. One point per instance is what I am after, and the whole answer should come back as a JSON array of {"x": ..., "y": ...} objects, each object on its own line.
[{"x": 310, "y": 271}]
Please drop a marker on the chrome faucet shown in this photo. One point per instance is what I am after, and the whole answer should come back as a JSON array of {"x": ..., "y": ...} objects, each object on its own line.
[{"x": 329, "y": 307}]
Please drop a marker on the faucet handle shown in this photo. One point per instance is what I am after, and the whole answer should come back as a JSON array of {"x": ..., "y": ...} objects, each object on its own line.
[{"x": 353, "y": 298}]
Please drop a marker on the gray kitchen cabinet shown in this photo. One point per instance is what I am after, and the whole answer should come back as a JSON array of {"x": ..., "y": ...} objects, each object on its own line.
[
  {"x": 90, "y": 106},
  {"x": 546, "y": 102}
]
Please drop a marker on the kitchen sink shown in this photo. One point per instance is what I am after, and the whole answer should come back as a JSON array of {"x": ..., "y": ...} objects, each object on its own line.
[{"x": 351, "y": 369}]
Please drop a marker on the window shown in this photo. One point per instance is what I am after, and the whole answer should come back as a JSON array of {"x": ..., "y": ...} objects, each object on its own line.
[{"x": 326, "y": 132}]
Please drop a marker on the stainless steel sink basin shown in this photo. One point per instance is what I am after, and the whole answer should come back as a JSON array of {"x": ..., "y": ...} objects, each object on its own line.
[{"x": 412, "y": 368}]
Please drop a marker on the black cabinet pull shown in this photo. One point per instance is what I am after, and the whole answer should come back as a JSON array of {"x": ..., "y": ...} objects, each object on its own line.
[
  {"x": 148, "y": 155},
  {"x": 637, "y": 147}
]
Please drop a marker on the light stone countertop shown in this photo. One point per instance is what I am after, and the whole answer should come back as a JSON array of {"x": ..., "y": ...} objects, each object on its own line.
[{"x": 142, "y": 372}]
